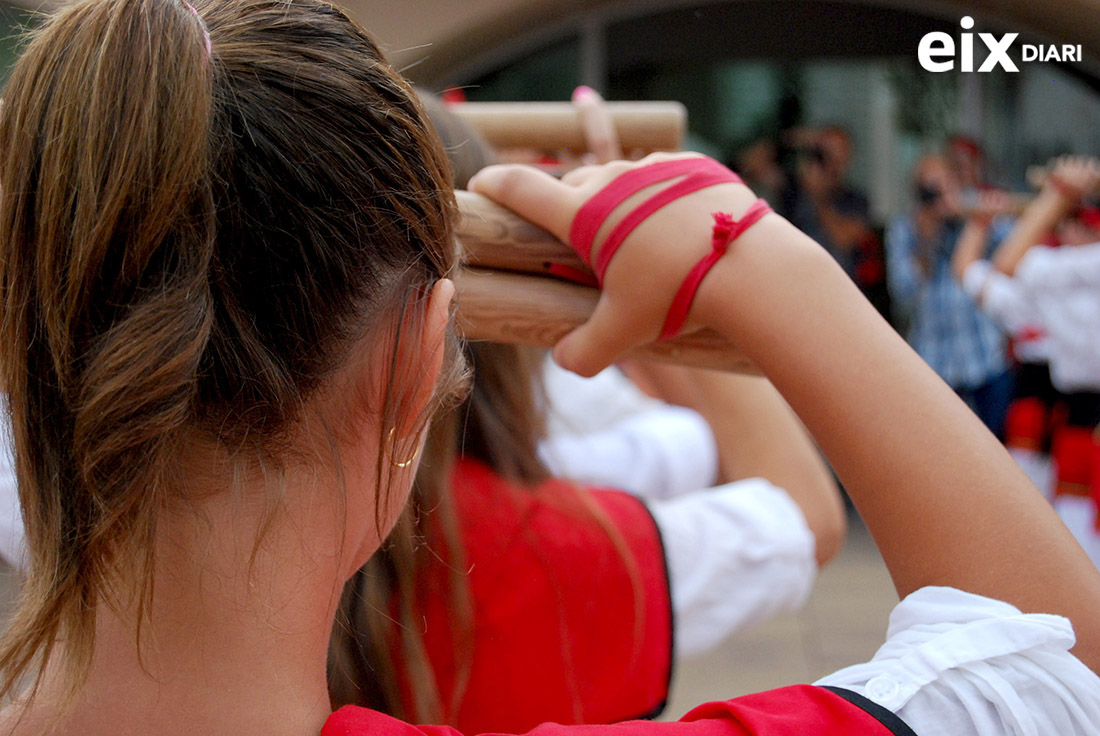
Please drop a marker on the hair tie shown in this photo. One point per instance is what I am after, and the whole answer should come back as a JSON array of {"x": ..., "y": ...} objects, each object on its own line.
[{"x": 205, "y": 32}]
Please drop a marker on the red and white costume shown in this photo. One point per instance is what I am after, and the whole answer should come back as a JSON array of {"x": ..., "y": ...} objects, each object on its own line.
[
  {"x": 954, "y": 664},
  {"x": 747, "y": 536},
  {"x": 1060, "y": 289},
  {"x": 1029, "y": 418},
  {"x": 572, "y": 580}
]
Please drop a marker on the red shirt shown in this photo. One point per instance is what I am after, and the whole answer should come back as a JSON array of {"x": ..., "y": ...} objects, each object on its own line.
[
  {"x": 572, "y": 618},
  {"x": 800, "y": 710}
]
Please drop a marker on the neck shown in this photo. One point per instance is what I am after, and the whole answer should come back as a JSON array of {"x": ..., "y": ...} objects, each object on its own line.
[{"x": 235, "y": 640}]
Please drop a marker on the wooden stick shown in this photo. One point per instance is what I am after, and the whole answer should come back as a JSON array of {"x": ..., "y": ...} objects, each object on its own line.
[
  {"x": 495, "y": 237},
  {"x": 1037, "y": 177},
  {"x": 531, "y": 310},
  {"x": 506, "y": 294},
  {"x": 970, "y": 201},
  {"x": 553, "y": 126}
]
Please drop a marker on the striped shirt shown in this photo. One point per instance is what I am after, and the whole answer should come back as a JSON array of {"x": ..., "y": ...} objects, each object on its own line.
[{"x": 953, "y": 336}]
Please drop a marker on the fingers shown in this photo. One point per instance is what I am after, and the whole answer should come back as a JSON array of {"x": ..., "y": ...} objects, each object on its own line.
[
  {"x": 596, "y": 344},
  {"x": 1082, "y": 172},
  {"x": 579, "y": 175},
  {"x": 631, "y": 309},
  {"x": 994, "y": 202},
  {"x": 599, "y": 129},
  {"x": 530, "y": 193},
  {"x": 548, "y": 202},
  {"x": 1091, "y": 175}
]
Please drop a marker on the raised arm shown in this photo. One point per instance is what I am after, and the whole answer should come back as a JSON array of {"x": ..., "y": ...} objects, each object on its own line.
[
  {"x": 1072, "y": 178},
  {"x": 975, "y": 235},
  {"x": 945, "y": 503}
]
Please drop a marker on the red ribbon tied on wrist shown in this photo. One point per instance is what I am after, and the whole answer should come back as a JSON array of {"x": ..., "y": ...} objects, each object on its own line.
[{"x": 694, "y": 173}]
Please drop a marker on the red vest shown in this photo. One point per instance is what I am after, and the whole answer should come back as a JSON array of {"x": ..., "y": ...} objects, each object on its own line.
[
  {"x": 1072, "y": 451},
  {"x": 1027, "y": 423},
  {"x": 572, "y": 617},
  {"x": 800, "y": 710}
]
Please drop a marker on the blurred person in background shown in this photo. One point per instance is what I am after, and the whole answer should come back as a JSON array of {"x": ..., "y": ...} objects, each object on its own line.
[
  {"x": 963, "y": 345},
  {"x": 515, "y": 527},
  {"x": 1056, "y": 290},
  {"x": 966, "y": 157},
  {"x": 824, "y": 204},
  {"x": 758, "y": 164},
  {"x": 1031, "y": 415}
]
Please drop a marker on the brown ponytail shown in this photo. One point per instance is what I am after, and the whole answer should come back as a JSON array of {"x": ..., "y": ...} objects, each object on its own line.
[
  {"x": 201, "y": 210},
  {"x": 108, "y": 234}
]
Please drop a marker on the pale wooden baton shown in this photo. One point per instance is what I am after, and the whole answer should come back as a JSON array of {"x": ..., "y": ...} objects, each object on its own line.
[
  {"x": 506, "y": 293},
  {"x": 1036, "y": 177},
  {"x": 554, "y": 126}
]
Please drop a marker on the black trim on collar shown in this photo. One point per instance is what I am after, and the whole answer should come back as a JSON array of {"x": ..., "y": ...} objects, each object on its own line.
[
  {"x": 657, "y": 711},
  {"x": 887, "y": 718}
]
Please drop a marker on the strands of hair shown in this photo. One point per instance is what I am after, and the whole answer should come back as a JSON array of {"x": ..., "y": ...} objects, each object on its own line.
[{"x": 204, "y": 208}]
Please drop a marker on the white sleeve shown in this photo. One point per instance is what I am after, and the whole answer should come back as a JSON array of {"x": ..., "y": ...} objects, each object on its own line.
[
  {"x": 578, "y": 405},
  {"x": 1068, "y": 267},
  {"x": 965, "y": 665},
  {"x": 736, "y": 555},
  {"x": 1000, "y": 296},
  {"x": 974, "y": 278},
  {"x": 659, "y": 452}
]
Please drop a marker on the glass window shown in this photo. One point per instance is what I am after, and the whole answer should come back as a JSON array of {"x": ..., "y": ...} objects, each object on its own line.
[
  {"x": 754, "y": 69},
  {"x": 545, "y": 74}
]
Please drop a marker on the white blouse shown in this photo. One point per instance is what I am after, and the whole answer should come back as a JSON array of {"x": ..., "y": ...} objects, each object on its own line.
[
  {"x": 1005, "y": 301},
  {"x": 12, "y": 548},
  {"x": 737, "y": 554},
  {"x": 958, "y": 664},
  {"x": 1064, "y": 285},
  {"x": 604, "y": 431}
]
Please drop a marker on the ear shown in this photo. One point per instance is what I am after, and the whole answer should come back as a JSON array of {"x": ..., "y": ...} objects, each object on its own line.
[{"x": 423, "y": 352}]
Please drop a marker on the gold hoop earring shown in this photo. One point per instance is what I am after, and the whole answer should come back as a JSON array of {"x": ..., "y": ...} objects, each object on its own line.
[{"x": 403, "y": 463}]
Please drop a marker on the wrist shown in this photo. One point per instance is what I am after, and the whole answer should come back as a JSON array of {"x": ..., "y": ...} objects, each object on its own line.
[
  {"x": 1050, "y": 206},
  {"x": 762, "y": 281},
  {"x": 1067, "y": 191}
]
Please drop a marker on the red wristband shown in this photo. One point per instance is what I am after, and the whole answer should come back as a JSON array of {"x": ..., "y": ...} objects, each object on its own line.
[
  {"x": 726, "y": 230},
  {"x": 692, "y": 174}
]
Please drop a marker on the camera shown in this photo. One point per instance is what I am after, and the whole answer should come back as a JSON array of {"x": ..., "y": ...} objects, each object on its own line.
[{"x": 928, "y": 196}]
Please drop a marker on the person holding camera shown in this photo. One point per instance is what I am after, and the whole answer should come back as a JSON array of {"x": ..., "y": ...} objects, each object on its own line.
[
  {"x": 944, "y": 326},
  {"x": 825, "y": 206}
]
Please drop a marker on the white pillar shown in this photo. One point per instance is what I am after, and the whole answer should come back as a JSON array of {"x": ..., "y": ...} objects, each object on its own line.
[{"x": 885, "y": 180}]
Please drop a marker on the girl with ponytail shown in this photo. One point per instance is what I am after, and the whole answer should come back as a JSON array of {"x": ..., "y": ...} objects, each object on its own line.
[
  {"x": 225, "y": 234},
  {"x": 227, "y": 224}
]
